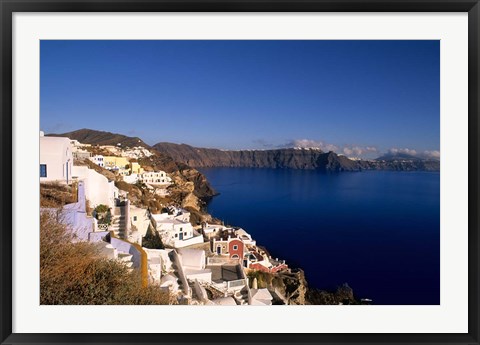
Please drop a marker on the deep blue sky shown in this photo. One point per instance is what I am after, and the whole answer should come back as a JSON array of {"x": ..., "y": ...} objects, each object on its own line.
[{"x": 248, "y": 94}]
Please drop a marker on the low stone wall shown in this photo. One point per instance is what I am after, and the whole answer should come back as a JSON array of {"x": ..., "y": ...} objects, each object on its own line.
[
  {"x": 236, "y": 284},
  {"x": 200, "y": 292},
  {"x": 189, "y": 242},
  {"x": 218, "y": 260},
  {"x": 97, "y": 236},
  {"x": 139, "y": 257},
  {"x": 74, "y": 215},
  {"x": 181, "y": 273}
]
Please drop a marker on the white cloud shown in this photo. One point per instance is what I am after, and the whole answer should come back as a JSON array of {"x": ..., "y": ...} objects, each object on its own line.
[
  {"x": 395, "y": 150},
  {"x": 431, "y": 154},
  {"x": 358, "y": 151},
  {"x": 347, "y": 150},
  {"x": 307, "y": 143},
  {"x": 435, "y": 154}
]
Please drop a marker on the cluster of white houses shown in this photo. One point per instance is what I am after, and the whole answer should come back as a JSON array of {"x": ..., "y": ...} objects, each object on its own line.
[
  {"x": 203, "y": 264},
  {"x": 153, "y": 178}
]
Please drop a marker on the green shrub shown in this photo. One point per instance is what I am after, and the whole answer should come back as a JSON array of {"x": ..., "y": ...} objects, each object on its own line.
[{"x": 102, "y": 208}]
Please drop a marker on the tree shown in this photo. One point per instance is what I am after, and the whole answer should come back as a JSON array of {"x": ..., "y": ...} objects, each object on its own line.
[{"x": 102, "y": 214}]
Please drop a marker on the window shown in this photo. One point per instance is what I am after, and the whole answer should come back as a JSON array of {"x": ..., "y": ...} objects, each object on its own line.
[
  {"x": 43, "y": 170},
  {"x": 235, "y": 247},
  {"x": 134, "y": 218},
  {"x": 176, "y": 235}
]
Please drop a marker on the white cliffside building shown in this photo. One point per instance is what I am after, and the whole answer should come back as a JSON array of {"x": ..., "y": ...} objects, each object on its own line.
[
  {"x": 56, "y": 159},
  {"x": 98, "y": 160},
  {"x": 98, "y": 189},
  {"x": 154, "y": 177},
  {"x": 136, "y": 152},
  {"x": 132, "y": 178},
  {"x": 175, "y": 232},
  {"x": 140, "y": 222},
  {"x": 193, "y": 262},
  {"x": 212, "y": 230}
]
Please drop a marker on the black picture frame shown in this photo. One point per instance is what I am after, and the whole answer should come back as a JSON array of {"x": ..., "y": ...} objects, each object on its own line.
[{"x": 8, "y": 7}]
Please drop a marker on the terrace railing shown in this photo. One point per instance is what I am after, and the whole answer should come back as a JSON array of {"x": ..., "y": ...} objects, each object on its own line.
[{"x": 234, "y": 284}]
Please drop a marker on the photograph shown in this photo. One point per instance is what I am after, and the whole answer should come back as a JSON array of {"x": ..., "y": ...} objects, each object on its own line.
[{"x": 240, "y": 172}]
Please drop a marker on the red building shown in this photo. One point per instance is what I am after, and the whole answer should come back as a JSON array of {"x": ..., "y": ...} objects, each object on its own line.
[{"x": 235, "y": 248}]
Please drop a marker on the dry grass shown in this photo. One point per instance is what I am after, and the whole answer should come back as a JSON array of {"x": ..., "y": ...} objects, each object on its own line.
[
  {"x": 56, "y": 195},
  {"x": 74, "y": 273}
]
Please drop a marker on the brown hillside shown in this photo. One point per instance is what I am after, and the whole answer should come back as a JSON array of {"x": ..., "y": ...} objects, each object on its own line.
[{"x": 89, "y": 136}]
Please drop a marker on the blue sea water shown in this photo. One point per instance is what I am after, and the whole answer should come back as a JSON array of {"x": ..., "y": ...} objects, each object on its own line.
[{"x": 378, "y": 231}]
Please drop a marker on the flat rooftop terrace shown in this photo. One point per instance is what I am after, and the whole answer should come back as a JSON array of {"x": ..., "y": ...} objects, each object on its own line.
[{"x": 221, "y": 273}]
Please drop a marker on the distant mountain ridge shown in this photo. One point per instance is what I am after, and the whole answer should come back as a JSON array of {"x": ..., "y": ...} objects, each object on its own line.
[
  {"x": 405, "y": 162},
  {"x": 293, "y": 158},
  {"x": 94, "y": 137},
  {"x": 178, "y": 157},
  {"x": 397, "y": 156}
]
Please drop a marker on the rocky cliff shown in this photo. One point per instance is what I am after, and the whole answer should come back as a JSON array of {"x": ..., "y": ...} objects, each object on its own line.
[
  {"x": 179, "y": 172},
  {"x": 292, "y": 158},
  {"x": 277, "y": 159},
  {"x": 400, "y": 164},
  {"x": 291, "y": 288}
]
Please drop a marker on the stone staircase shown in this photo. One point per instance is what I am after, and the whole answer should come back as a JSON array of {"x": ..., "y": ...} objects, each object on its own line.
[
  {"x": 118, "y": 224},
  {"x": 126, "y": 258},
  {"x": 241, "y": 296}
]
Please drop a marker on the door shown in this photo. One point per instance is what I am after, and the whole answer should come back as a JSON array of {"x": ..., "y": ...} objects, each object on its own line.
[{"x": 180, "y": 236}]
